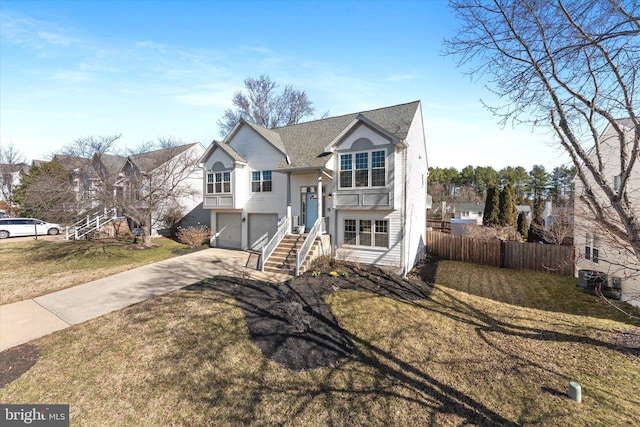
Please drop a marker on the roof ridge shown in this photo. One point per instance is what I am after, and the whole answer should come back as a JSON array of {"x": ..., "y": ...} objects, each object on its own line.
[{"x": 344, "y": 115}]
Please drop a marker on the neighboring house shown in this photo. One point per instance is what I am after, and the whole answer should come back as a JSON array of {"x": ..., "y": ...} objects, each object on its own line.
[
  {"x": 547, "y": 214},
  {"x": 359, "y": 178},
  {"x": 84, "y": 180},
  {"x": 10, "y": 176},
  {"x": 172, "y": 172},
  {"x": 469, "y": 211},
  {"x": 600, "y": 259},
  {"x": 100, "y": 181},
  {"x": 527, "y": 212}
]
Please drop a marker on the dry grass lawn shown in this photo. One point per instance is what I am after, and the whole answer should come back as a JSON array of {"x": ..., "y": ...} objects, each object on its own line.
[
  {"x": 35, "y": 268},
  {"x": 456, "y": 358}
]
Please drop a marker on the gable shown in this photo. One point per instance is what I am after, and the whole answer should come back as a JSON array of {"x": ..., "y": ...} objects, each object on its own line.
[
  {"x": 255, "y": 149},
  {"x": 362, "y": 137},
  {"x": 217, "y": 159}
]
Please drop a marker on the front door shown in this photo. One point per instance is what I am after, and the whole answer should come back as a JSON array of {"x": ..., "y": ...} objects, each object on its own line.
[{"x": 311, "y": 210}]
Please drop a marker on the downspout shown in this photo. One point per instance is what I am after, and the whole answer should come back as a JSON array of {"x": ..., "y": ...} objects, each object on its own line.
[
  {"x": 289, "y": 201},
  {"x": 319, "y": 195},
  {"x": 403, "y": 255}
]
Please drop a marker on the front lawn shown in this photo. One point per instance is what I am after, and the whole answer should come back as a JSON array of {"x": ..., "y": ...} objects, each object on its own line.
[
  {"x": 418, "y": 356},
  {"x": 39, "y": 267}
]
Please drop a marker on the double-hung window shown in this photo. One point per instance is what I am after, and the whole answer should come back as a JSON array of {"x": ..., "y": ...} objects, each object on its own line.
[
  {"x": 218, "y": 182},
  {"x": 366, "y": 232},
  {"x": 365, "y": 169},
  {"x": 261, "y": 181},
  {"x": 591, "y": 250}
]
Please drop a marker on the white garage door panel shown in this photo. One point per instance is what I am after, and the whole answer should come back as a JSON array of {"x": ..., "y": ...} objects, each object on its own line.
[
  {"x": 229, "y": 230},
  {"x": 259, "y": 226}
]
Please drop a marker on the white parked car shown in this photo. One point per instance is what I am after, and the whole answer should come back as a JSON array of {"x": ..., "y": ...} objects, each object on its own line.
[{"x": 11, "y": 227}]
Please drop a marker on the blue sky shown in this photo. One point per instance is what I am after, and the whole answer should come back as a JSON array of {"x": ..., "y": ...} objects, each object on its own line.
[{"x": 148, "y": 69}]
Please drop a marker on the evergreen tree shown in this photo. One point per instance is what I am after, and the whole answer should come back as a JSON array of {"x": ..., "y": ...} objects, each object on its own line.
[
  {"x": 538, "y": 184},
  {"x": 523, "y": 225},
  {"x": 508, "y": 213},
  {"x": 45, "y": 192},
  {"x": 491, "y": 216}
]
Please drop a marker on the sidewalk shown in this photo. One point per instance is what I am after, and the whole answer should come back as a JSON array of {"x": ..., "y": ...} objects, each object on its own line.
[{"x": 24, "y": 321}]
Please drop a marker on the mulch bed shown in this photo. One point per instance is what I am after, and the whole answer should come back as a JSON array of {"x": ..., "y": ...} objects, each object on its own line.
[
  {"x": 290, "y": 322},
  {"x": 292, "y": 325},
  {"x": 16, "y": 361}
]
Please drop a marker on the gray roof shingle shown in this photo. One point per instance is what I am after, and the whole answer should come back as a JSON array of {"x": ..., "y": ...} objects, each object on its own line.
[{"x": 304, "y": 143}]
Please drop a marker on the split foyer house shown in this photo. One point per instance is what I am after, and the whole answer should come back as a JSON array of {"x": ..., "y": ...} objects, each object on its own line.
[
  {"x": 601, "y": 258},
  {"x": 357, "y": 182},
  {"x": 106, "y": 185}
]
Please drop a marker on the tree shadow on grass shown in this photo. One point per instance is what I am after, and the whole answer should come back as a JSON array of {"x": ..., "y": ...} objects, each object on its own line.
[
  {"x": 291, "y": 325},
  {"x": 61, "y": 251}
]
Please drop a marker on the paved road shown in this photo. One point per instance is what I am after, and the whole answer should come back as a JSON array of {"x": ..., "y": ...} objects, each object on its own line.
[{"x": 24, "y": 321}]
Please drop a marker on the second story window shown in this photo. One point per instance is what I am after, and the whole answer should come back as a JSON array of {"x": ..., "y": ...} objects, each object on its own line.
[
  {"x": 219, "y": 182},
  {"x": 370, "y": 169},
  {"x": 261, "y": 181}
]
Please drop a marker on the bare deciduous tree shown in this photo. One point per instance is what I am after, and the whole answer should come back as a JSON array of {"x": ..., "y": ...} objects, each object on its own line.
[
  {"x": 570, "y": 66},
  {"x": 155, "y": 183},
  {"x": 87, "y": 147},
  {"x": 261, "y": 104},
  {"x": 560, "y": 230}
]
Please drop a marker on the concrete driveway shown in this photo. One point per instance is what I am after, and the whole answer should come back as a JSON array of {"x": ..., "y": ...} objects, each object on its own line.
[{"x": 24, "y": 321}]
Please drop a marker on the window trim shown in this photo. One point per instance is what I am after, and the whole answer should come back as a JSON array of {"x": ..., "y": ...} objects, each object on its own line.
[
  {"x": 617, "y": 181},
  {"x": 261, "y": 182},
  {"x": 373, "y": 234},
  {"x": 354, "y": 169},
  {"x": 592, "y": 248},
  {"x": 214, "y": 182}
]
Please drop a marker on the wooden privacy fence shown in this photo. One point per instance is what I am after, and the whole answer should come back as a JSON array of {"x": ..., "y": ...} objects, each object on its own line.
[{"x": 551, "y": 259}]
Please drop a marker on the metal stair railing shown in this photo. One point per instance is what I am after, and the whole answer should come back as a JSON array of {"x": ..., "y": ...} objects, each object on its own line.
[
  {"x": 301, "y": 255},
  {"x": 267, "y": 250}
]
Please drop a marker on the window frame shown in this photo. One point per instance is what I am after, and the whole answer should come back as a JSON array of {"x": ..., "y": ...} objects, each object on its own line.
[
  {"x": 357, "y": 165},
  {"x": 354, "y": 229},
  {"x": 592, "y": 248},
  {"x": 214, "y": 183},
  {"x": 617, "y": 181},
  {"x": 264, "y": 185}
]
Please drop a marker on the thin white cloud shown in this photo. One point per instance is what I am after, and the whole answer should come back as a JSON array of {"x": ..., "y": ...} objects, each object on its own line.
[
  {"x": 73, "y": 76},
  {"x": 54, "y": 38}
]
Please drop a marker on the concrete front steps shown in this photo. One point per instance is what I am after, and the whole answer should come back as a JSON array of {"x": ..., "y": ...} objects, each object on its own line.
[{"x": 283, "y": 259}]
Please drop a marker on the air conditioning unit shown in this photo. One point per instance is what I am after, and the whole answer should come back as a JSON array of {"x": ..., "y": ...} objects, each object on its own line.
[
  {"x": 590, "y": 280},
  {"x": 614, "y": 288}
]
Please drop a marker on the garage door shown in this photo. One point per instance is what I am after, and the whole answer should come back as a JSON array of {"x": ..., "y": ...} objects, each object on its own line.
[
  {"x": 229, "y": 229},
  {"x": 261, "y": 228}
]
